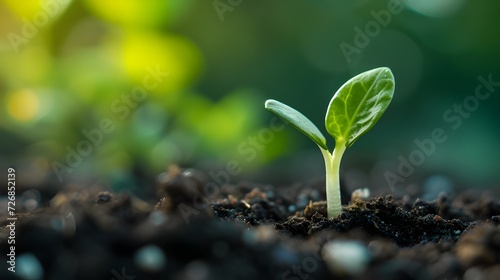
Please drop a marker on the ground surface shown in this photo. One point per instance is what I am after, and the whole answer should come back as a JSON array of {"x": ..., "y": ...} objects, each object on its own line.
[{"x": 249, "y": 231}]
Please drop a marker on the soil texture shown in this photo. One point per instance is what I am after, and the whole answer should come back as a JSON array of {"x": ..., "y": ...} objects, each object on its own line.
[{"x": 193, "y": 229}]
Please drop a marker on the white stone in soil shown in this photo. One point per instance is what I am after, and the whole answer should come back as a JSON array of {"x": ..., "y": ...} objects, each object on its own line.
[{"x": 343, "y": 256}]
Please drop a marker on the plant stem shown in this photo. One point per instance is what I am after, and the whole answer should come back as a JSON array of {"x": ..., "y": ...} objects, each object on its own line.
[{"x": 332, "y": 167}]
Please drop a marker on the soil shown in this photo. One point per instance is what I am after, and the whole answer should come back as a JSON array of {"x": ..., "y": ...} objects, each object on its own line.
[{"x": 192, "y": 230}]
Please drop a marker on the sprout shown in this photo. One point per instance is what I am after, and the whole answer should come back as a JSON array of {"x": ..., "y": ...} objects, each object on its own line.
[{"x": 353, "y": 110}]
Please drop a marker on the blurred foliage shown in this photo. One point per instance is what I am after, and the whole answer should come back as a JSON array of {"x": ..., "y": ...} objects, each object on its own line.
[{"x": 67, "y": 65}]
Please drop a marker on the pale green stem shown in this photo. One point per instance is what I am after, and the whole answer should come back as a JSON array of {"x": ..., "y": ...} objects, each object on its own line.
[{"x": 332, "y": 167}]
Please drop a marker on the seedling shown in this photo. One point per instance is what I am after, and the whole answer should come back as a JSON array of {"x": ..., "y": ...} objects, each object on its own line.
[{"x": 353, "y": 110}]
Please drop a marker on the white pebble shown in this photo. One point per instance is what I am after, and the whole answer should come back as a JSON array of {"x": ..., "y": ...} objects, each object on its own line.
[
  {"x": 150, "y": 258},
  {"x": 28, "y": 267},
  {"x": 349, "y": 257}
]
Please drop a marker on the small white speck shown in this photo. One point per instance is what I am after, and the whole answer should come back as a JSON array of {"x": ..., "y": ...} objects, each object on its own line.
[
  {"x": 29, "y": 268},
  {"x": 346, "y": 256},
  {"x": 150, "y": 258}
]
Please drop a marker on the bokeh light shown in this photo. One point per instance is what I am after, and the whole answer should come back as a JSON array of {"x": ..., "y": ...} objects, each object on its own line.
[
  {"x": 23, "y": 105},
  {"x": 182, "y": 84}
]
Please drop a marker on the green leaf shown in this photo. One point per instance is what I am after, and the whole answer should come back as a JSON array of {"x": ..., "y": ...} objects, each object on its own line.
[
  {"x": 296, "y": 119},
  {"x": 358, "y": 105}
]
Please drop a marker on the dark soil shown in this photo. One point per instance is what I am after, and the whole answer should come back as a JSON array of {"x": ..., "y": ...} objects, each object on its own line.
[{"x": 251, "y": 231}]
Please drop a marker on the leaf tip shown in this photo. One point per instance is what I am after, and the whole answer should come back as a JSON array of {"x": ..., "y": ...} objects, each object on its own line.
[
  {"x": 268, "y": 103},
  {"x": 386, "y": 72}
]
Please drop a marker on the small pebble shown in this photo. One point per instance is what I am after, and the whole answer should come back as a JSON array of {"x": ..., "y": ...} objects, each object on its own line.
[
  {"x": 31, "y": 204},
  {"x": 259, "y": 234},
  {"x": 157, "y": 218},
  {"x": 29, "y": 267},
  {"x": 163, "y": 178},
  {"x": 349, "y": 257},
  {"x": 31, "y": 199},
  {"x": 435, "y": 185},
  {"x": 360, "y": 193},
  {"x": 302, "y": 201},
  {"x": 265, "y": 233},
  {"x": 315, "y": 195},
  {"x": 270, "y": 194},
  {"x": 249, "y": 236},
  {"x": 284, "y": 256},
  {"x": 150, "y": 258}
]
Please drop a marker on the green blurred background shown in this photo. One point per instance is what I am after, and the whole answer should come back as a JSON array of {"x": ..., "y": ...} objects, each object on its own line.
[{"x": 67, "y": 65}]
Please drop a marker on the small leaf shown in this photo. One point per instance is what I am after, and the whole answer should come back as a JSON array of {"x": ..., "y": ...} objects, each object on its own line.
[
  {"x": 296, "y": 119},
  {"x": 358, "y": 105}
]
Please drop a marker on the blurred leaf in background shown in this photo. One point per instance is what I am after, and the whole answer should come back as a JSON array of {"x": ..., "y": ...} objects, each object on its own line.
[
  {"x": 81, "y": 62},
  {"x": 179, "y": 84}
]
